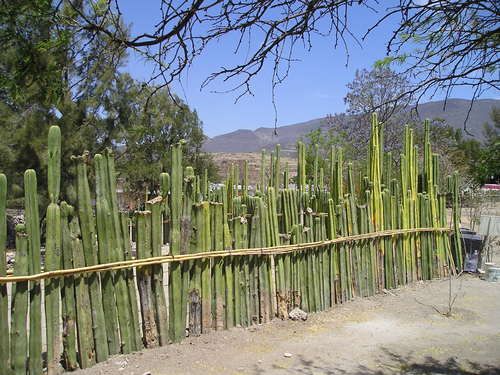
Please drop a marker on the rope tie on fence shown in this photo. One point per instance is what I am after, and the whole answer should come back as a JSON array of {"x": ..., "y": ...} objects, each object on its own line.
[{"x": 281, "y": 249}]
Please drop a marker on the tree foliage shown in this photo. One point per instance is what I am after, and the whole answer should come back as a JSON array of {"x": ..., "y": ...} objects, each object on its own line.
[
  {"x": 487, "y": 169},
  {"x": 51, "y": 75},
  {"x": 383, "y": 91}
]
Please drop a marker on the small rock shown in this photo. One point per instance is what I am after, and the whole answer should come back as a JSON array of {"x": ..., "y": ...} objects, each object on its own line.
[
  {"x": 122, "y": 364},
  {"x": 147, "y": 373},
  {"x": 297, "y": 314},
  {"x": 288, "y": 355}
]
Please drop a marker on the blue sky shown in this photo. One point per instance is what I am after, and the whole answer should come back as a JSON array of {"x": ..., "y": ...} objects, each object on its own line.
[{"x": 315, "y": 87}]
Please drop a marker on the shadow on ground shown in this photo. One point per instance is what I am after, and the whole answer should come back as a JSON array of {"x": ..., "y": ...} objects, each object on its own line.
[{"x": 391, "y": 364}]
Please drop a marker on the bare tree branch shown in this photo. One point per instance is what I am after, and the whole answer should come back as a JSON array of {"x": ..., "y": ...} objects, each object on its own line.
[{"x": 441, "y": 45}]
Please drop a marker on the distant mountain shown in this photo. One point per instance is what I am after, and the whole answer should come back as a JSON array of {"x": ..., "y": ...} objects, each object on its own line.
[
  {"x": 255, "y": 140},
  {"x": 456, "y": 113}
]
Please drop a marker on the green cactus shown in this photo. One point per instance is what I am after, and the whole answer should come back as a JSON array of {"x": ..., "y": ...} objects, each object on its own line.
[
  {"x": 86, "y": 346},
  {"x": 68, "y": 295},
  {"x": 105, "y": 252},
  {"x": 52, "y": 262},
  {"x": 89, "y": 244},
  {"x": 154, "y": 207},
  {"x": 32, "y": 220},
  {"x": 54, "y": 163},
  {"x": 4, "y": 306},
  {"x": 176, "y": 320},
  {"x": 19, "y": 334},
  {"x": 144, "y": 280},
  {"x": 117, "y": 253},
  {"x": 53, "y": 250}
]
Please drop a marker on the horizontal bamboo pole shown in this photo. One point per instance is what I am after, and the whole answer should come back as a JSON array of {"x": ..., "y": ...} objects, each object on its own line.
[{"x": 283, "y": 249}]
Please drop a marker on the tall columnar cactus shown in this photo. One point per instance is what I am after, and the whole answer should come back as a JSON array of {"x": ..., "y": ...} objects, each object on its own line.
[
  {"x": 455, "y": 194},
  {"x": 301, "y": 166},
  {"x": 332, "y": 172},
  {"x": 176, "y": 329},
  {"x": 86, "y": 346},
  {"x": 206, "y": 282},
  {"x": 428, "y": 175},
  {"x": 245, "y": 179},
  {"x": 188, "y": 199},
  {"x": 339, "y": 181},
  {"x": 271, "y": 170},
  {"x": 104, "y": 241},
  {"x": 53, "y": 251},
  {"x": 134, "y": 311},
  {"x": 89, "y": 237},
  {"x": 165, "y": 194},
  {"x": 316, "y": 166},
  {"x": 117, "y": 250},
  {"x": 19, "y": 334},
  {"x": 262, "y": 186},
  {"x": 286, "y": 176},
  {"x": 236, "y": 181},
  {"x": 154, "y": 206},
  {"x": 350, "y": 180},
  {"x": 32, "y": 220},
  {"x": 206, "y": 184},
  {"x": 334, "y": 254},
  {"x": 52, "y": 305},
  {"x": 217, "y": 230},
  {"x": 144, "y": 250},
  {"x": 277, "y": 169},
  {"x": 375, "y": 176},
  {"x": 54, "y": 163},
  {"x": 388, "y": 170},
  {"x": 4, "y": 306},
  {"x": 274, "y": 240},
  {"x": 68, "y": 292}
]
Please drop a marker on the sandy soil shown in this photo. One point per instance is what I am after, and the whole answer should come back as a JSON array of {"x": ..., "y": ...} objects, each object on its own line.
[{"x": 400, "y": 332}]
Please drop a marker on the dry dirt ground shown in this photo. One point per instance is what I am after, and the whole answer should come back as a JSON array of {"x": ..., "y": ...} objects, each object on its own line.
[
  {"x": 394, "y": 333},
  {"x": 223, "y": 160}
]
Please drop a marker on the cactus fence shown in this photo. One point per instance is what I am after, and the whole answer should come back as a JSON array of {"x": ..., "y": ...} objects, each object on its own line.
[{"x": 234, "y": 259}]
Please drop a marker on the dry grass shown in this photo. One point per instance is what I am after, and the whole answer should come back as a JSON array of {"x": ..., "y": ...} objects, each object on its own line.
[{"x": 224, "y": 161}]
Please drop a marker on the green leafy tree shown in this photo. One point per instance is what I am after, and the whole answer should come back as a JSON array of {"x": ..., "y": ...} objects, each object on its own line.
[
  {"x": 51, "y": 74},
  {"x": 487, "y": 168},
  {"x": 146, "y": 133}
]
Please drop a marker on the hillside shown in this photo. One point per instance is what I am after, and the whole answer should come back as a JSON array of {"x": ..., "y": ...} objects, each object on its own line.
[{"x": 255, "y": 140}]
